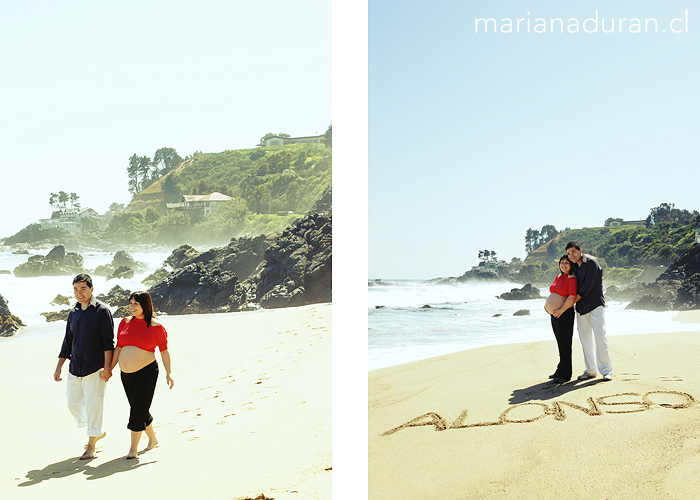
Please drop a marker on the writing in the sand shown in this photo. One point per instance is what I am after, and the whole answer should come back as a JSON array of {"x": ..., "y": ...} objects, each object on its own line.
[{"x": 627, "y": 402}]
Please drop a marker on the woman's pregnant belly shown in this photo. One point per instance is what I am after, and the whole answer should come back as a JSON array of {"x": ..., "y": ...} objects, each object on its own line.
[
  {"x": 133, "y": 358},
  {"x": 554, "y": 301}
]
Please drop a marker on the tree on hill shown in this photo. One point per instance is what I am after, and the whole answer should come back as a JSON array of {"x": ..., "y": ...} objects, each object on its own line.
[
  {"x": 669, "y": 213},
  {"x": 142, "y": 172},
  {"x": 535, "y": 238},
  {"x": 164, "y": 160},
  {"x": 328, "y": 136},
  {"x": 59, "y": 201}
]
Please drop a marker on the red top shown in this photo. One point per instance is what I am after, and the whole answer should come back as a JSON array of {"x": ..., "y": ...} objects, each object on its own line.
[
  {"x": 564, "y": 285},
  {"x": 134, "y": 332}
]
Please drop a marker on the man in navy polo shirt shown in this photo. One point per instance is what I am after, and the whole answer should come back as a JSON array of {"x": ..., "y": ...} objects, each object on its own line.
[
  {"x": 590, "y": 313},
  {"x": 88, "y": 344}
]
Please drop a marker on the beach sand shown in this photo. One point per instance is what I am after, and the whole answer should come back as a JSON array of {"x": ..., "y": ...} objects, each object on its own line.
[
  {"x": 637, "y": 436},
  {"x": 250, "y": 414}
]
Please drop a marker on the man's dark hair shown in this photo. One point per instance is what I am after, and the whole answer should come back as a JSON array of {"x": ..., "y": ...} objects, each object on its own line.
[
  {"x": 573, "y": 244},
  {"x": 83, "y": 278}
]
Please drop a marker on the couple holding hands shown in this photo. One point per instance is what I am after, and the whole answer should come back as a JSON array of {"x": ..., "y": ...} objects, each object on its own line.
[
  {"x": 89, "y": 345},
  {"x": 579, "y": 283}
]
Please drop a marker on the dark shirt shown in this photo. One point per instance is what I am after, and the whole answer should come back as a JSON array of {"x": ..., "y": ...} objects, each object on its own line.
[
  {"x": 89, "y": 333},
  {"x": 590, "y": 285}
]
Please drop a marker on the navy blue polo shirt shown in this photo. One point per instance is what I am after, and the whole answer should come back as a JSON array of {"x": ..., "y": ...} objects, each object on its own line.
[
  {"x": 89, "y": 333},
  {"x": 590, "y": 285}
]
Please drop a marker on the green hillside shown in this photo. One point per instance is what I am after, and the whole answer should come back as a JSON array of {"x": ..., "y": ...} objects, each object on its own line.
[
  {"x": 271, "y": 187},
  {"x": 270, "y": 180},
  {"x": 628, "y": 252}
]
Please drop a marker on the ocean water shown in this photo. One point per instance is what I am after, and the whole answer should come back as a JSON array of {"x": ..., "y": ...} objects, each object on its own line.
[
  {"x": 27, "y": 298},
  {"x": 463, "y": 316}
]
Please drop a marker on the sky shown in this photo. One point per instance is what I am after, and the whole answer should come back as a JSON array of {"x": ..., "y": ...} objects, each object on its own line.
[
  {"x": 475, "y": 137},
  {"x": 85, "y": 85}
]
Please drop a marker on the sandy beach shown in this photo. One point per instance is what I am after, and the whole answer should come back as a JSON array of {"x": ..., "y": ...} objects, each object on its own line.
[
  {"x": 487, "y": 423},
  {"x": 250, "y": 414}
]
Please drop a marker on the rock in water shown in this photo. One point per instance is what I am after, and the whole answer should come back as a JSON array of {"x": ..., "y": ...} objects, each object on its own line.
[
  {"x": 525, "y": 293},
  {"x": 9, "y": 324}
]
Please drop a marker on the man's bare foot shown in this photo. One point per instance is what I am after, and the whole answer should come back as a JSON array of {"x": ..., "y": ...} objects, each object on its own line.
[
  {"x": 151, "y": 444},
  {"x": 132, "y": 454},
  {"x": 96, "y": 440},
  {"x": 89, "y": 453}
]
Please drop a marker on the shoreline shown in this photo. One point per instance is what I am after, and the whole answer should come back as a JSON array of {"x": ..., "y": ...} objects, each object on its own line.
[
  {"x": 250, "y": 413},
  {"x": 487, "y": 423}
]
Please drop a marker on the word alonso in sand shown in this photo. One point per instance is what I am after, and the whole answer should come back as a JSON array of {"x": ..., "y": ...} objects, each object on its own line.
[{"x": 645, "y": 402}]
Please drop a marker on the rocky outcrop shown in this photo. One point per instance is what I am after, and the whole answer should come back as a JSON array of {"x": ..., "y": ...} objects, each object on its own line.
[
  {"x": 525, "y": 293},
  {"x": 298, "y": 267},
  {"x": 121, "y": 272},
  {"x": 120, "y": 260},
  {"x": 153, "y": 279},
  {"x": 292, "y": 269},
  {"x": 60, "y": 300},
  {"x": 56, "y": 315},
  {"x": 241, "y": 256},
  {"x": 116, "y": 297},
  {"x": 676, "y": 289},
  {"x": 58, "y": 262},
  {"x": 9, "y": 323},
  {"x": 197, "y": 289}
]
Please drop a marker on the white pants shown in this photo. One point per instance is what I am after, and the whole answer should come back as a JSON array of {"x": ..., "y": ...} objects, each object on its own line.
[
  {"x": 86, "y": 401},
  {"x": 591, "y": 332}
]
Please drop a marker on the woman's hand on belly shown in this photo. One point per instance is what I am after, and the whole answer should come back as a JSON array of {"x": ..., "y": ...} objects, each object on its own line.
[
  {"x": 554, "y": 302},
  {"x": 132, "y": 359}
]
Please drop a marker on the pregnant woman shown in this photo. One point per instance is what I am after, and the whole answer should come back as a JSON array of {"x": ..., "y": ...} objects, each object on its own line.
[
  {"x": 137, "y": 338},
  {"x": 560, "y": 306}
]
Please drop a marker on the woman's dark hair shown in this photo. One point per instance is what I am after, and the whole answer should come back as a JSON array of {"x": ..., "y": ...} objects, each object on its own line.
[
  {"x": 572, "y": 266},
  {"x": 144, "y": 298}
]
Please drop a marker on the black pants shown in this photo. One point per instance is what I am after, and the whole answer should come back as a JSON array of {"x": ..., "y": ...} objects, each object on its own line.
[
  {"x": 140, "y": 387},
  {"x": 563, "y": 327}
]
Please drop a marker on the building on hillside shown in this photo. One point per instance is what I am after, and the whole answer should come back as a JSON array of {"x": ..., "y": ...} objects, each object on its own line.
[
  {"x": 202, "y": 204},
  {"x": 276, "y": 140},
  {"x": 489, "y": 267},
  {"x": 620, "y": 222},
  {"x": 72, "y": 219}
]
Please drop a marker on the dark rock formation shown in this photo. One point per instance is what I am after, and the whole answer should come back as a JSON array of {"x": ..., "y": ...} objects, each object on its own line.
[
  {"x": 60, "y": 300},
  {"x": 5, "y": 271},
  {"x": 522, "y": 312},
  {"x": 121, "y": 272},
  {"x": 678, "y": 288},
  {"x": 9, "y": 323},
  {"x": 293, "y": 269},
  {"x": 241, "y": 256},
  {"x": 196, "y": 289},
  {"x": 120, "y": 259},
  {"x": 121, "y": 312},
  {"x": 56, "y": 316},
  {"x": 56, "y": 263},
  {"x": 298, "y": 267},
  {"x": 525, "y": 293},
  {"x": 117, "y": 296},
  {"x": 153, "y": 279}
]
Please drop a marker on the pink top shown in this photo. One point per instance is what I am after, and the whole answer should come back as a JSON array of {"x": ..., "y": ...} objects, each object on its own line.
[
  {"x": 564, "y": 285},
  {"x": 134, "y": 332}
]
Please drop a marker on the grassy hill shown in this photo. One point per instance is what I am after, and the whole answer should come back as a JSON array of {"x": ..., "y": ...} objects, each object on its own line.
[
  {"x": 270, "y": 180},
  {"x": 271, "y": 188},
  {"x": 627, "y": 253}
]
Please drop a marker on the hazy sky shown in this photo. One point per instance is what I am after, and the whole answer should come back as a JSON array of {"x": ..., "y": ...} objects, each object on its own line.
[
  {"x": 87, "y": 84},
  {"x": 476, "y": 137}
]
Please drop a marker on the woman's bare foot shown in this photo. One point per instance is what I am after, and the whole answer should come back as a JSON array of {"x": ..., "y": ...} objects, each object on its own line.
[
  {"x": 151, "y": 444},
  {"x": 132, "y": 454}
]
